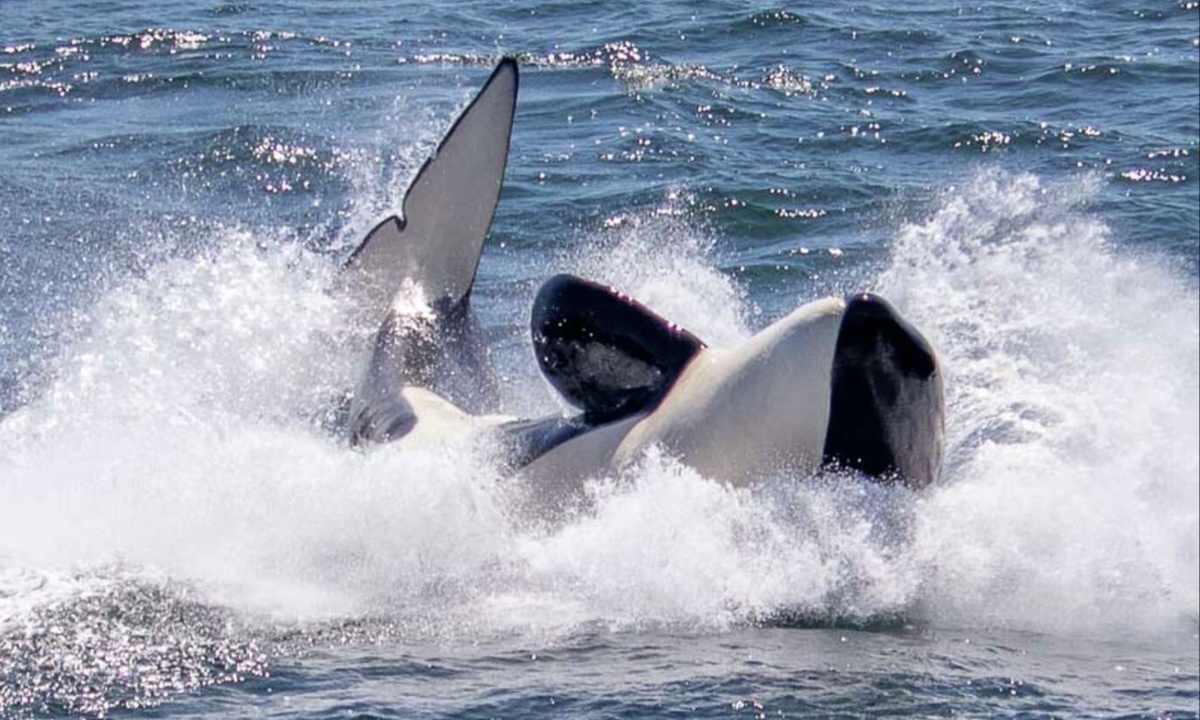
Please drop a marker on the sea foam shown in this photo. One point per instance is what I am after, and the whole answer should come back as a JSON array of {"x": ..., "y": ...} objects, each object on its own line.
[{"x": 183, "y": 435}]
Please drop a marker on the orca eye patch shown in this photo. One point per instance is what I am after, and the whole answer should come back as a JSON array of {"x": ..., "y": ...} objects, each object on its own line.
[{"x": 604, "y": 352}]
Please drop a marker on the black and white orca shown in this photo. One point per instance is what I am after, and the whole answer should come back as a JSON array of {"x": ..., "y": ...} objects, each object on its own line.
[{"x": 840, "y": 382}]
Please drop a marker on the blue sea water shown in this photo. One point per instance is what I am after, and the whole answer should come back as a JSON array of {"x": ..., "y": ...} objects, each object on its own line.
[{"x": 181, "y": 536}]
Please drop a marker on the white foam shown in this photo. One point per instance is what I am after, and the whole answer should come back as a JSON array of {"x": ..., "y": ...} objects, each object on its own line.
[
  {"x": 669, "y": 265},
  {"x": 1072, "y": 393},
  {"x": 179, "y": 437}
]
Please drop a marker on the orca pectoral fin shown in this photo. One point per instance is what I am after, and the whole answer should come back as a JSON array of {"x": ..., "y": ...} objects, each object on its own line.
[
  {"x": 448, "y": 208},
  {"x": 604, "y": 352},
  {"x": 527, "y": 439}
]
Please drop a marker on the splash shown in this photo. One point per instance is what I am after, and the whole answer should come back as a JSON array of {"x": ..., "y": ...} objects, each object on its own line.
[
  {"x": 182, "y": 437},
  {"x": 668, "y": 263},
  {"x": 666, "y": 547},
  {"x": 1072, "y": 489}
]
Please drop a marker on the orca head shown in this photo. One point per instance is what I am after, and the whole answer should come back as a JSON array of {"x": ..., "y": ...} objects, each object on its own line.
[
  {"x": 886, "y": 416},
  {"x": 604, "y": 352}
]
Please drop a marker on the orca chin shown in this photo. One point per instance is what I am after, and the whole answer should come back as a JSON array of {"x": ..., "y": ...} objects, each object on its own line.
[{"x": 838, "y": 383}]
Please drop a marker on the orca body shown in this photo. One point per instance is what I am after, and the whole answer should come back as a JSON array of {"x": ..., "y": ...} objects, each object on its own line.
[{"x": 839, "y": 382}]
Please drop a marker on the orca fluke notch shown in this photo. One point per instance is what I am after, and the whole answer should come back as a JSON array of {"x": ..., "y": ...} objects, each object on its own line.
[{"x": 606, "y": 353}]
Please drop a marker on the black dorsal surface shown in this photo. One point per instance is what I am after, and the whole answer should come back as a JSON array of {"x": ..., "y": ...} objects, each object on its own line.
[
  {"x": 604, "y": 352},
  {"x": 886, "y": 406}
]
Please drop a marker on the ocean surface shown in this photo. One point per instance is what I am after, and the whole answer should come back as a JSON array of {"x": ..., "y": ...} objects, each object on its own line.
[{"x": 182, "y": 535}]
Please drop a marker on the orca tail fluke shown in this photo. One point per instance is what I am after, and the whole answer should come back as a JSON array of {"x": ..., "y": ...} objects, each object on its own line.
[
  {"x": 436, "y": 240},
  {"x": 414, "y": 273}
]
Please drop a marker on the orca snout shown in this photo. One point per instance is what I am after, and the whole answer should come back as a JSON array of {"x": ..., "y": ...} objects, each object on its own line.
[
  {"x": 870, "y": 320},
  {"x": 886, "y": 397}
]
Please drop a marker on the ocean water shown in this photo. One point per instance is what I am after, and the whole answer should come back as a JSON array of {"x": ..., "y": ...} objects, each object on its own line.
[{"x": 182, "y": 536}]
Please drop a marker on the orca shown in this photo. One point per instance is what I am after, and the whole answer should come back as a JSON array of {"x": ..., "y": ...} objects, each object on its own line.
[
  {"x": 841, "y": 382},
  {"x": 417, "y": 268}
]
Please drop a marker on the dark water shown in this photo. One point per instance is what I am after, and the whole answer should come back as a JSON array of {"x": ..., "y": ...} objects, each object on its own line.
[{"x": 180, "y": 537}]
